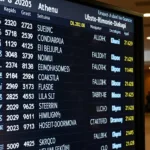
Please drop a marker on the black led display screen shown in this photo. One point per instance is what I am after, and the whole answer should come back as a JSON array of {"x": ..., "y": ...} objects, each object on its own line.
[{"x": 66, "y": 77}]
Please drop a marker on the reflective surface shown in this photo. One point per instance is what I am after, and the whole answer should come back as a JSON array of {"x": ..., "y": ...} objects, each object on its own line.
[{"x": 147, "y": 131}]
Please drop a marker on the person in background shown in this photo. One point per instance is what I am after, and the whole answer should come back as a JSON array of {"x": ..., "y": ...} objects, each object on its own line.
[{"x": 148, "y": 101}]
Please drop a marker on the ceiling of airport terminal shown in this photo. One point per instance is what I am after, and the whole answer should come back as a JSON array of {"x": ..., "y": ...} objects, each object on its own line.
[{"x": 141, "y": 6}]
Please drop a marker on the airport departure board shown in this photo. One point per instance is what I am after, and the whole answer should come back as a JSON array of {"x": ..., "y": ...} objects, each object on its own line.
[{"x": 67, "y": 77}]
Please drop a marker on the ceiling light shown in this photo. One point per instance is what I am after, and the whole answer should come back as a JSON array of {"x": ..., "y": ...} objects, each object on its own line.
[
  {"x": 146, "y": 15},
  {"x": 148, "y": 38}
]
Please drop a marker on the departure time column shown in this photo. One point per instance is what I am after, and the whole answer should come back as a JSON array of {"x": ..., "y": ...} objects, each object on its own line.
[{"x": 129, "y": 94}]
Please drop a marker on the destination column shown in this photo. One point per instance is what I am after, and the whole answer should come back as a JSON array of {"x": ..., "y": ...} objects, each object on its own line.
[
  {"x": 59, "y": 88},
  {"x": 48, "y": 74}
]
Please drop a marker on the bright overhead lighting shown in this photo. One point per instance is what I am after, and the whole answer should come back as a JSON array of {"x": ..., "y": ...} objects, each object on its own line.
[
  {"x": 148, "y": 38},
  {"x": 146, "y": 15}
]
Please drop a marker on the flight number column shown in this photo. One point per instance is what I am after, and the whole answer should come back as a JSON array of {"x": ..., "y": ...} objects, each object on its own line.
[
  {"x": 18, "y": 75},
  {"x": 11, "y": 75}
]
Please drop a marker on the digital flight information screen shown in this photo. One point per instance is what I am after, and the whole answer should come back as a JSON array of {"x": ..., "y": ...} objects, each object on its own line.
[{"x": 66, "y": 77}]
